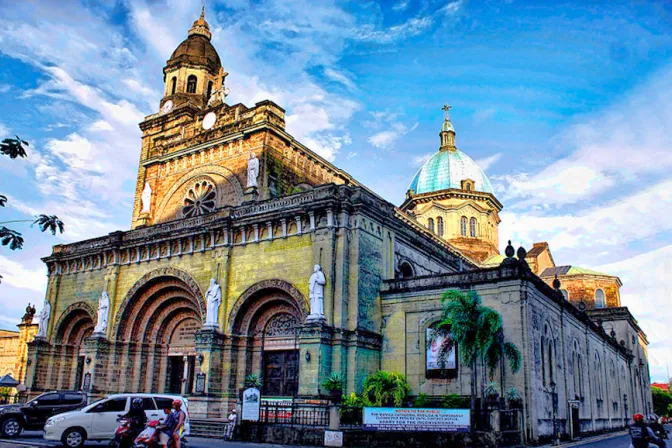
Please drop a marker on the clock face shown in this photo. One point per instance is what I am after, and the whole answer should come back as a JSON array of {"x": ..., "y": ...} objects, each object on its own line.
[
  {"x": 209, "y": 120},
  {"x": 167, "y": 107}
]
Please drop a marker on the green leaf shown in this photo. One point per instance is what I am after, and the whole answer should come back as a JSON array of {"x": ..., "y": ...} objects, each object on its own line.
[
  {"x": 11, "y": 238},
  {"x": 13, "y": 147}
]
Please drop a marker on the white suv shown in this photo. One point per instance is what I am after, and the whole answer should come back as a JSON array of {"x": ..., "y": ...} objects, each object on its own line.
[{"x": 98, "y": 420}]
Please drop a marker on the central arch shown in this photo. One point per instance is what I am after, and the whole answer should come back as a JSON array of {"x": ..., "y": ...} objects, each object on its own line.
[
  {"x": 156, "y": 324},
  {"x": 72, "y": 328}
]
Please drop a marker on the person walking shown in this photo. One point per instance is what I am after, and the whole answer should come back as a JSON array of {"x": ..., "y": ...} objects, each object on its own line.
[
  {"x": 231, "y": 425},
  {"x": 641, "y": 435}
]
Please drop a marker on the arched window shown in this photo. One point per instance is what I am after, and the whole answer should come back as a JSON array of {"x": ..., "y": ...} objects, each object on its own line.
[
  {"x": 173, "y": 84},
  {"x": 439, "y": 225},
  {"x": 565, "y": 294},
  {"x": 430, "y": 225},
  {"x": 209, "y": 90},
  {"x": 599, "y": 299},
  {"x": 472, "y": 227},
  {"x": 547, "y": 356},
  {"x": 598, "y": 381},
  {"x": 191, "y": 84},
  {"x": 406, "y": 270},
  {"x": 577, "y": 371},
  {"x": 463, "y": 226}
]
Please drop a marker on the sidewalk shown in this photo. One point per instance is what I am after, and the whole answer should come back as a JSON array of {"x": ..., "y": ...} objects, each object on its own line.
[{"x": 585, "y": 440}]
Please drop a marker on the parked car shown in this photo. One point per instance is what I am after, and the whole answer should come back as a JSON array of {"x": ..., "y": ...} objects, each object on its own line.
[
  {"x": 32, "y": 415},
  {"x": 98, "y": 420}
]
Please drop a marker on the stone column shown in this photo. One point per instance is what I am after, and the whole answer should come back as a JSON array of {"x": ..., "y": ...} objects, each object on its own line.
[
  {"x": 315, "y": 351},
  {"x": 97, "y": 349},
  {"x": 213, "y": 346},
  {"x": 37, "y": 364}
]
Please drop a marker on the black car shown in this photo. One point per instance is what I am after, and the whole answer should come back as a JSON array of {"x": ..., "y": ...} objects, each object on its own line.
[{"x": 34, "y": 414}]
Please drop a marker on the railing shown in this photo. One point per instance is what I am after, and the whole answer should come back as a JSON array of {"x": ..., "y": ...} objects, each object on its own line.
[
  {"x": 351, "y": 417},
  {"x": 295, "y": 414},
  {"x": 12, "y": 399}
]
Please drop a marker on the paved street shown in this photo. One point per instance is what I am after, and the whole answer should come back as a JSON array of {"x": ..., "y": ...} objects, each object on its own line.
[{"x": 31, "y": 439}]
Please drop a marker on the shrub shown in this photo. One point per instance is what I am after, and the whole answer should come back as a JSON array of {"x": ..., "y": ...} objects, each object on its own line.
[
  {"x": 454, "y": 401},
  {"x": 253, "y": 380},
  {"x": 421, "y": 401},
  {"x": 334, "y": 383},
  {"x": 385, "y": 389}
]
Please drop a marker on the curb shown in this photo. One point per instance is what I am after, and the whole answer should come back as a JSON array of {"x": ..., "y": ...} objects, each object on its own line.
[{"x": 599, "y": 438}]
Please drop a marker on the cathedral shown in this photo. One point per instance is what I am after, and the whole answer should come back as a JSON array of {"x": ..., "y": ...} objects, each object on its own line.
[{"x": 248, "y": 253}]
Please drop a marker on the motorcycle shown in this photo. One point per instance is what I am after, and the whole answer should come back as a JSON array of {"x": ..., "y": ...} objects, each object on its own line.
[
  {"x": 149, "y": 437},
  {"x": 124, "y": 435}
]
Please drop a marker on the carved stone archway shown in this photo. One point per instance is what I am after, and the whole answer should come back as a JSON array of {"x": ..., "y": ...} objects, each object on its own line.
[
  {"x": 245, "y": 306},
  {"x": 73, "y": 324},
  {"x": 167, "y": 276}
]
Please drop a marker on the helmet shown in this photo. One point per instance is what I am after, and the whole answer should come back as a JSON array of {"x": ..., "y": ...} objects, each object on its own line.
[
  {"x": 638, "y": 418},
  {"x": 137, "y": 403},
  {"x": 177, "y": 403}
]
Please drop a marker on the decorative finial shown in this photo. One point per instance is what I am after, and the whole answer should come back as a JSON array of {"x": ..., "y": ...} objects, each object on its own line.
[
  {"x": 446, "y": 108},
  {"x": 612, "y": 333},
  {"x": 203, "y": 10},
  {"x": 509, "y": 251},
  {"x": 556, "y": 283},
  {"x": 522, "y": 253}
]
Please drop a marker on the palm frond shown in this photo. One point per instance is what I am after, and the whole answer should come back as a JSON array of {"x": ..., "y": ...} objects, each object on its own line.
[
  {"x": 13, "y": 147},
  {"x": 3, "y": 200},
  {"x": 51, "y": 223},
  {"x": 11, "y": 238},
  {"x": 514, "y": 356}
]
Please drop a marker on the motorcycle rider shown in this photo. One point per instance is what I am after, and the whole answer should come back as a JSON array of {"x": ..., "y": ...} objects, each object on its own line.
[
  {"x": 172, "y": 426},
  {"x": 641, "y": 435},
  {"x": 137, "y": 416}
]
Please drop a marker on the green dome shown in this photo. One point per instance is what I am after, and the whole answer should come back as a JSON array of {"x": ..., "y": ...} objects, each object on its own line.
[{"x": 447, "y": 169}]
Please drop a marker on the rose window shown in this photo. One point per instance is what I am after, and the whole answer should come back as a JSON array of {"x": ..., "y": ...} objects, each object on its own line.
[{"x": 199, "y": 200}]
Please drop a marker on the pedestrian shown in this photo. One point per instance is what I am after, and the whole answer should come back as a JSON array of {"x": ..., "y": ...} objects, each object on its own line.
[
  {"x": 231, "y": 425},
  {"x": 641, "y": 435}
]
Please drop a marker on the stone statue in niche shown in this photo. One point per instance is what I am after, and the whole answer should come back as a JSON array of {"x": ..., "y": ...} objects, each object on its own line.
[
  {"x": 316, "y": 287},
  {"x": 44, "y": 320},
  {"x": 103, "y": 313},
  {"x": 213, "y": 298},
  {"x": 252, "y": 171},
  {"x": 146, "y": 198}
]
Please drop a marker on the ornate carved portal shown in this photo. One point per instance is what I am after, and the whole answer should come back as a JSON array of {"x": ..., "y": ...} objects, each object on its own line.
[
  {"x": 74, "y": 325},
  {"x": 268, "y": 318}
]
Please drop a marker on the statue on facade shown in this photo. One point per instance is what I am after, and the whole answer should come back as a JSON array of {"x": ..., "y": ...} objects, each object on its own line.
[
  {"x": 252, "y": 170},
  {"x": 213, "y": 298},
  {"x": 316, "y": 287},
  {"x": 103, "y": 313},
  {"x": 146, "y": 198},
  {"x": 218, "y": 95},
  {"x": 44, "y": 320}
]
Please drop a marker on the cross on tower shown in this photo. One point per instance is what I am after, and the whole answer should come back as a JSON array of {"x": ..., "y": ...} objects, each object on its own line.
[{"x": 446, "y": 108}]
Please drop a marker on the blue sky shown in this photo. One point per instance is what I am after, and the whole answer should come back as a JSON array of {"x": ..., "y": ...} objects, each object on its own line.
[{"x": 565, "y": 105}]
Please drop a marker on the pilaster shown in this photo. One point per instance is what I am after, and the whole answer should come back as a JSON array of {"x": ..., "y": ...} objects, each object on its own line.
[{"x": 315, "y": 345}]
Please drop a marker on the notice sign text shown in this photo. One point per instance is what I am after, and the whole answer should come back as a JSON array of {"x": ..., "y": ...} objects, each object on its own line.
[{"x": 420, "y": 419}]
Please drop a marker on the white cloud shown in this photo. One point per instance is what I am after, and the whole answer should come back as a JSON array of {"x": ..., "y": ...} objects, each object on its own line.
[
  {"x": 4, "y": 131},
  {"x": 420, "y": 160},
  {"x": 15, "y": 274},
  {"x": 401, "y": 5},
  {"x": 452, "y": 7},
  {"x": 619, "y": 222},
  {"x": 647, "y": 292},
  {"x": 613, "y": 148},
  {"x": 390, "y": 129},
  {"x": 340, "y": 77},
  {"x": 487, "y": 162}
]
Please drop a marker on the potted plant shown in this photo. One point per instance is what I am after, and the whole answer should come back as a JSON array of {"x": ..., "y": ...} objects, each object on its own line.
[
  {"x": 252, "y": 380},
  {"x": 334, "y": 386},
  {"x": 491, "y": 394},
  {"x": 513, "y": 398}
]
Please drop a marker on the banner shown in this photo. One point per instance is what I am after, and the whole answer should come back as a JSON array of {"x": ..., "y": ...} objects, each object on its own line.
[{"x": 416, "y": 419}]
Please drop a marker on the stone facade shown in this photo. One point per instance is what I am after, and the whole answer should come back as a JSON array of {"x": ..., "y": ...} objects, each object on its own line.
[
  {"x": 14, "y": 347},
  {"x": 197, "y": 218}
]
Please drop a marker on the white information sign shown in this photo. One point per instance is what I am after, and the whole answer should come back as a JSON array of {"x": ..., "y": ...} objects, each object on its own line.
[
  {"x": 333, "y": 438},
  {"x": 416, "y": 419},
  {"x": 251, "y": 404}
]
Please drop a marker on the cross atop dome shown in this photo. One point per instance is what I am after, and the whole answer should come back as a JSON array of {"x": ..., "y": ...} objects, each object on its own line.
[{"x": 447, "y": 108}]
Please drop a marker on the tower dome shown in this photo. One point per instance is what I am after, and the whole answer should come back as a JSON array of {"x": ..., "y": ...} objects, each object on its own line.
[{"x": 449, "y": 167}]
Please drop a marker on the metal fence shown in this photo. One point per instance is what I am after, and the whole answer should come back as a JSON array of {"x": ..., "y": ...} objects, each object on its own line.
[
  {"x": 295, "y": 414},
  {"x": 351, "y": 417},
  {"x": 12, "y": 398}
]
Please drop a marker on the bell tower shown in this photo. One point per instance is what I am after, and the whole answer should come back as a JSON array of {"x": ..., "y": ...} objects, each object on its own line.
[{"x": 194, "y": 71}]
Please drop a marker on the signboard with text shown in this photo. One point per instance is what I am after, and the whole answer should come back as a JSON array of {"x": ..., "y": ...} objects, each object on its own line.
[
  {"x": 251, "y": 404},
  {"x": 416, "y": 419}
]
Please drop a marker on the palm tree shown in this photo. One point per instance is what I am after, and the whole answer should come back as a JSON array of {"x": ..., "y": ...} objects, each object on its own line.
[{"x": 477, "y": 329}]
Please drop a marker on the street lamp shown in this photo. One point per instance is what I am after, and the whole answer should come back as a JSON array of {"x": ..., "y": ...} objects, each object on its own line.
[{"x": 554, "y": 402}]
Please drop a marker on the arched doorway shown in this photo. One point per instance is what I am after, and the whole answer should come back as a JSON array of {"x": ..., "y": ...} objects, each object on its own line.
[
  {"x": 266, "y": 319},
  {"x": 75, "y": 325},
  {"x": 159, "y": 318}
]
